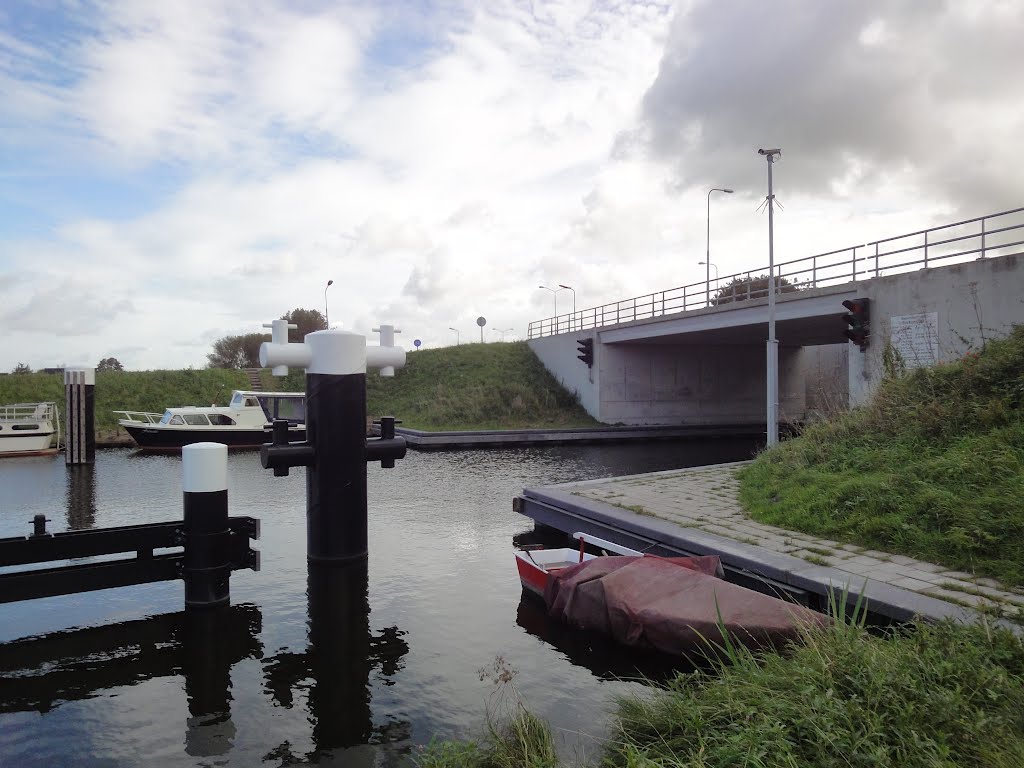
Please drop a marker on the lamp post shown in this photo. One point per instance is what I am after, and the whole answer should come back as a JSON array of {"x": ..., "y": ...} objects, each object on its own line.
[
  {"x": 707, "y": 255},
  {"x": 773, "y": 345},
  {"x": 572, "y": 318},
  {"x": 554, "y": 295},
  {"x": 327, "y": 315},
  {"x": 456, "y": 334},
  {"x": 716, "y": 274},
  {"x": 502, "y": 331}
]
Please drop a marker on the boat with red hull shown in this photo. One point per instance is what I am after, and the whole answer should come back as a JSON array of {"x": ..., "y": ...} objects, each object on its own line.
[{"x": 672, "y": 604}]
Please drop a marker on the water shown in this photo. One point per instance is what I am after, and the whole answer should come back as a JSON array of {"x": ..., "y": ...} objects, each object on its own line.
[{"x": 363, "y": 669}]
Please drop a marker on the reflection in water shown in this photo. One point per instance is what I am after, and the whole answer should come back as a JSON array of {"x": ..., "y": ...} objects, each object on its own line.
[
  {"x": 41, "y": 673},
  {"x": 335, "y": 669},
  {"x": 598, "y": 653},
  {"x": 81, "y": 496}
]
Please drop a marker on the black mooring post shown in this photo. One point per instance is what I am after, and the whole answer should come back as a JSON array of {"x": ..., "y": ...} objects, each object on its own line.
[
  {"x": 207, "y": 557},
  {"x": 336, "y": 481}
]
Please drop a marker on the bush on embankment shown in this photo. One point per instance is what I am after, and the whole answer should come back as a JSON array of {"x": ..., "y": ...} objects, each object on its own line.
[
  {"x": 932, "y": 468},
  {"x": 472, "y": 386}
]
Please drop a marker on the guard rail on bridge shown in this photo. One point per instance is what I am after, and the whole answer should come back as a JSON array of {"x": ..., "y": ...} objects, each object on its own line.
[{"x": 993, "y": 235}]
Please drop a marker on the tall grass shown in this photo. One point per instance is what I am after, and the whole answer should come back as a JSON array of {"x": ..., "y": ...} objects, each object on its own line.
[
  {"x": 940, "y": 695},
  {"x": 933, "y": 468}
]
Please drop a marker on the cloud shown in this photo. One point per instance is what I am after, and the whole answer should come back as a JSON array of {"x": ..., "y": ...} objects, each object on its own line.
[{"x": 856, "y": 94}]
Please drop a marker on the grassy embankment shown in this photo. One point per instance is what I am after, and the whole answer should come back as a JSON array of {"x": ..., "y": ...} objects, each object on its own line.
[
  {"x": 472, "y": 386},
  {"x": 932, "y": 468}
]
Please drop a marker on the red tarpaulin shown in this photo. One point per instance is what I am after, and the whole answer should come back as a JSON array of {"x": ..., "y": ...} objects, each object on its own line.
[{"x": 669, "y": 604}]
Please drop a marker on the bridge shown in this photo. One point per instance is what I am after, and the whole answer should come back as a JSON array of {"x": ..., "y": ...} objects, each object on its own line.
[{"x": 696, "y": 354}]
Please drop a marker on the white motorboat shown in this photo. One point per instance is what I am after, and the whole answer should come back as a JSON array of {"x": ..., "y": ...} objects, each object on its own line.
[
  {"x": 240, "y": 424},
  {"x": 28, "y": 429}
]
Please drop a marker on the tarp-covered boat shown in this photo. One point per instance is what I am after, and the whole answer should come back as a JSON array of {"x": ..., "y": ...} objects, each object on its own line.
[{"x": 672, "y": 604}]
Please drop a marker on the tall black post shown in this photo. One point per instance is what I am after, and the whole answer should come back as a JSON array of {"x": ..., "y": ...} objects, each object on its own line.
[
  {"x": 336, "y": 481},
  {"x": 207, "y": 557},
  {"x": 336, "y": 448}
]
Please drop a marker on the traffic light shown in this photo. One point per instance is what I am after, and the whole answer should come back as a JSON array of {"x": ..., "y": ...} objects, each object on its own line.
[
  {"x": 859, "y": 321},
  {"x": 586, "y": 351}
]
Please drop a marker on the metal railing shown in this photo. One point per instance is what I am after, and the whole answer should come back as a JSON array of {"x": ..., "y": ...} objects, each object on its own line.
[
  {"x": 141, "y": 417},
  {"x": 996, "y": 234},
  {"x": 27, "y": 412}
]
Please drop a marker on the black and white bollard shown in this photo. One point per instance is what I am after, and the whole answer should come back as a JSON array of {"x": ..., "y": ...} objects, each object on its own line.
[
  {"x": 80, "y": 418},
  {"x": 336, "y": 448},
  {"x": 207, "y": 558}
]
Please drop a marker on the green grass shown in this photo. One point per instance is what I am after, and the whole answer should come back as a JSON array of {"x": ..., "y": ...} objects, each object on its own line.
[
  {"x": 937, "y": 695},
  {"x": 130, "y": 390},
  {"x": 475, "y": 386},
  {"x": 932, "y": 468},
  {"x": 472, "y": 386},
  {"x": 943, "y": 695}
]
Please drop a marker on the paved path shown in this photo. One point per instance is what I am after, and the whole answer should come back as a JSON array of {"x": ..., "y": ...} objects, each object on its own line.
[{"x": 706, "y": 498}]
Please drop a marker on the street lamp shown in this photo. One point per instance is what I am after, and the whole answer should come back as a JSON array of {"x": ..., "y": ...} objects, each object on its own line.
[
  {"x": 456, "y": 334},
  {"x": 502, "y": 331},
  {"x": 707, "y": 256},
  {"x": 326, "y": 313},
  {"x": 554, "y": 295},
  {"x": 716, "y": 273},
  {"x": 572, "y": 320},
  {"x": 773, "y": 345}
]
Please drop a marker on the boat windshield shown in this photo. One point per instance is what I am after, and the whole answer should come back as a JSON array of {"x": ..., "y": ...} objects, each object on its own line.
[
  {"x": 166, "y": 418},
  {"x": 292, "y": 408}
]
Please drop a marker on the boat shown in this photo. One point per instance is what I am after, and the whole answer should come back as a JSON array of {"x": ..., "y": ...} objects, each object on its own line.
[
  {"x": 29, "y": 429},
  {"x": 243, "y": 423},
  {"x": 676, "y": 605}
]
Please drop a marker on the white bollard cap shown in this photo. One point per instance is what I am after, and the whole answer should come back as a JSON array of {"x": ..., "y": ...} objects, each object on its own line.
[{"x": 204, "y": 467}]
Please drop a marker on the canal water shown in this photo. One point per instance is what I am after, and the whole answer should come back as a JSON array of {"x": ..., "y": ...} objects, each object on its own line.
[{"x": 358, "y": 666}]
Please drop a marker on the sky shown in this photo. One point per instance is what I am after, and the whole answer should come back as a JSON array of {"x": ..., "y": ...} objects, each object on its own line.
[{"x": 175, "y": 172}]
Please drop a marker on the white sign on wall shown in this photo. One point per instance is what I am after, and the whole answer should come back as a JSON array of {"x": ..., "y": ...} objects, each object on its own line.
[{"x": 916, "y": 338}]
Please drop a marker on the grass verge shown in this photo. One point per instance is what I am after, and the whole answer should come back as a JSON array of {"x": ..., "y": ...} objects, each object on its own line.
[{"x": 932, "y": 468}]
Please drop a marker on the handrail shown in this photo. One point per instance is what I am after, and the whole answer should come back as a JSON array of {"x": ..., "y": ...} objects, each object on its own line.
[
  {"x": 149, "y": 418},
  {"x": 801, "y": 274},
  {"x": 28, "y": 411}
]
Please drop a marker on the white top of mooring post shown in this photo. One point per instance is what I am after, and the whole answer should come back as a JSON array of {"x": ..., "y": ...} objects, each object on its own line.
[
  {"x": 204, "y": 467},
  {"x": 336, "y": 352}
]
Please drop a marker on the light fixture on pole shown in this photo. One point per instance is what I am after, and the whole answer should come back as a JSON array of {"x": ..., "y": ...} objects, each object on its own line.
[
  {"x": 707, "y": 255},
  {"x": 572, "y": 318},
  {"x": 456, "y": 334},
  {"x": 554, "y": 295},
  {"x": 502, "y": 331},
  {"x": 327, "y": 314},
  {"x": 773, "y": 345},
  {"x": 716, "y": 272}
]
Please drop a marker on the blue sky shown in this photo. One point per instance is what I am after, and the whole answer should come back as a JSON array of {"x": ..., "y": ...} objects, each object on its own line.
[{"x": 171, "y": 173}]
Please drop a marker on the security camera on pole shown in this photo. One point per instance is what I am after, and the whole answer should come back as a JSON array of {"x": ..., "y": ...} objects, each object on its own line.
[{"x": 773, "y": 345}]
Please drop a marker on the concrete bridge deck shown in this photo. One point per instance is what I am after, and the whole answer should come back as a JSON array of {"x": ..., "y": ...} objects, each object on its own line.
[{"x": 697, "y": 511}]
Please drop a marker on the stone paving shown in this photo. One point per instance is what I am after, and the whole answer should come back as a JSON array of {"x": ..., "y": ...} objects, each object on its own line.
[{"x": 706, "y": 498}]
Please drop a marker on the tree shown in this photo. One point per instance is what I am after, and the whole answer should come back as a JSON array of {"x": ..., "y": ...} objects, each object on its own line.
[
  {"x": 21, "y": 368},
  {"x": 308, "y": 320},
  {"x": 109, "y": 364},
  {"x": 237, "y": 351},
  {"x": 743, "y": 288}
]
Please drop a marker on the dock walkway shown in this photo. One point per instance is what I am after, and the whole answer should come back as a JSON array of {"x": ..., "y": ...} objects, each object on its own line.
[{"x": 697, "y": 511}]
